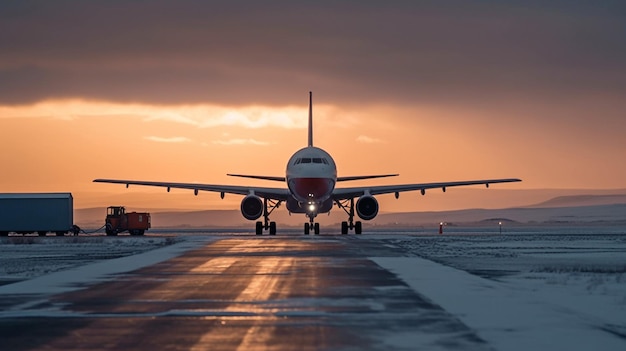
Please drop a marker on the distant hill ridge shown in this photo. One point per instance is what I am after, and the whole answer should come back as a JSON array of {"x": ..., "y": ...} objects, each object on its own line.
[
  {"x": 582, "y": 200},
  {"x": 575, "y": 208}
]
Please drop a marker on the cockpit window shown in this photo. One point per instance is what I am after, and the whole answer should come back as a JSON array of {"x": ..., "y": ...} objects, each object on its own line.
[{"x": 310, "y": 160}]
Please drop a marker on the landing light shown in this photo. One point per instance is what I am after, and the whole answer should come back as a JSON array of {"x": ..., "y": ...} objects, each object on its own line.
[{"x": 311, "y": 207}]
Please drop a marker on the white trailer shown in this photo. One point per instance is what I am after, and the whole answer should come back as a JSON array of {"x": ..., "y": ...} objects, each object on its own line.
[{"x": 24, "y": 213}]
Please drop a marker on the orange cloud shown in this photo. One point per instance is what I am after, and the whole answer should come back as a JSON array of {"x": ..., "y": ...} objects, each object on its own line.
[
  {"x": 241, "y": 142},
  {"x": 197, "y": 115},
  {"x": 168, "y": 140},
  {"x": 368, "y": 140}
]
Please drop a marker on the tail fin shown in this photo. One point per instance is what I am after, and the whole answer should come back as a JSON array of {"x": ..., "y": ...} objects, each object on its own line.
[{"x": 310, "y": 118}]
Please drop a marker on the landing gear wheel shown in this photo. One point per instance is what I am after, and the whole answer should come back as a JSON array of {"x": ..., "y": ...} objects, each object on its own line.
[
  {"x": 269, "y": 206},
  {"x": 306, "y": 228},
  {"x": 316, "y": 228},
  {"x": 344, "y": 228},
  {"x": 348, "y": 207},
  {"x": 109, "y": 230},
  {"x": 358, "y": 227}
]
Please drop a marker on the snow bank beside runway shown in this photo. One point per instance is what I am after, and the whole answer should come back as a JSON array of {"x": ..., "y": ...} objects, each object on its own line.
[
  {"x": 77, "y": 277},
  {"x": 518, "y": 314},
  {"x": 27, "y": 257}
]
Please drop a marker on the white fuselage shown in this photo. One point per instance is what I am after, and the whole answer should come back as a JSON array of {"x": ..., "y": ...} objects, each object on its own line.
[{"x": 311, "y": 175}]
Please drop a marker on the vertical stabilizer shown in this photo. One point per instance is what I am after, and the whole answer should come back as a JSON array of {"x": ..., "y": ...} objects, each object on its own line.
[{"x": 310, "y": 118}]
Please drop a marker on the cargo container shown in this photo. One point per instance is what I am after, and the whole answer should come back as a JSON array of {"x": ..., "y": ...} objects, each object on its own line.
[{"x": 24, "y": 213}]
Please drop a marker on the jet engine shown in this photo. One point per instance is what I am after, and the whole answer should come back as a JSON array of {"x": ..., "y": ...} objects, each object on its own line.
[
  {"x": 367, "y": 207},
  {"x": 251, "y": 207}
]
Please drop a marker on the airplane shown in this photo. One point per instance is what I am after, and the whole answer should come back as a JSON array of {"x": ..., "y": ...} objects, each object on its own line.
[{"x": 311, "y": 178}]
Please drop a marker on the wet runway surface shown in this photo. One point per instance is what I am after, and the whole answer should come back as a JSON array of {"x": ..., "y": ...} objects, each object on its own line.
[{"x": 305, "y": 293}]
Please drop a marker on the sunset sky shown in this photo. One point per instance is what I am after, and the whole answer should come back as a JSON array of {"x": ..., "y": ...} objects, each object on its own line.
[{"x": 187, "y": 91}]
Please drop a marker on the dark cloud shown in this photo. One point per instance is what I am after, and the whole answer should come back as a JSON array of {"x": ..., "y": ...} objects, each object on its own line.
[{"x": 273, "y": 52}]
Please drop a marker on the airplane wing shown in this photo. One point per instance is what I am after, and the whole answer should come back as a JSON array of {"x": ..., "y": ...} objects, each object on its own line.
[
  {"x": 268, "y": 193},
  {"x": 343, "y": 179},
  {"x": 348, "y": 193}
]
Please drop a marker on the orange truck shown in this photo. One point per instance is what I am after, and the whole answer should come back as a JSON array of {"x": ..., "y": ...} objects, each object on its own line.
[{"x": 117, "y": 221}]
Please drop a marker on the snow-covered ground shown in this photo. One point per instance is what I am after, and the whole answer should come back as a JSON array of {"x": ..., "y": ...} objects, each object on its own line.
[
  {"x": 521, "y": 292},
  {"x": 544, "y": 289},
  {"x": 54, "y": 265},
  {"x": 24, "y": 257}
]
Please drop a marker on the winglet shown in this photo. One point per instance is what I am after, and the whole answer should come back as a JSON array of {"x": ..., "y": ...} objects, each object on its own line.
[{"x": 310, "y": 118}]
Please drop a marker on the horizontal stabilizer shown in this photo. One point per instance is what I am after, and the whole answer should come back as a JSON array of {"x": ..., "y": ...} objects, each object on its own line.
[
  {"x": 276, "y": 179},
  {"x": 343, "y": 179}
]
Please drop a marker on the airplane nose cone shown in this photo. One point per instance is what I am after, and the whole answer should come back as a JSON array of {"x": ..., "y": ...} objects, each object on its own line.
[{"x": 307, "y": 188}]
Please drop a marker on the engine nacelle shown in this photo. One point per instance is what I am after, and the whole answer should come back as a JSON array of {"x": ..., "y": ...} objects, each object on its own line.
[
  {"x": 251, "y": 207},
  {"x": 367, "y": 207}
]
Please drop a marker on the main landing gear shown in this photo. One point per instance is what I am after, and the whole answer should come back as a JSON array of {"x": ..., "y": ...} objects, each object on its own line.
[
  {"x": 348, "y": 207},
  {"x": 268, "y": 207}
]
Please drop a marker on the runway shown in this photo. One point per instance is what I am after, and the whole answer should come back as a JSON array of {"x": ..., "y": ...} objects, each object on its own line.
[
  {"x": 244, "y": 294},
  {"x": 554, "y": 288}
]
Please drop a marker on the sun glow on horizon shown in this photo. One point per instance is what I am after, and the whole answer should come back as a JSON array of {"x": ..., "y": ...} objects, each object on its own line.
[{"x": 62, "y": 145}]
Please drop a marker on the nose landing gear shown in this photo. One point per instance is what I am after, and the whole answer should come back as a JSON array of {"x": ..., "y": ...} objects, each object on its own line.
[{"x": 308, "y": 227}]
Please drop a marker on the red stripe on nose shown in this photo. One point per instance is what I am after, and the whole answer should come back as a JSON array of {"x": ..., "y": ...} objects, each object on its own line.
[{"x": 312, "y": 187}]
